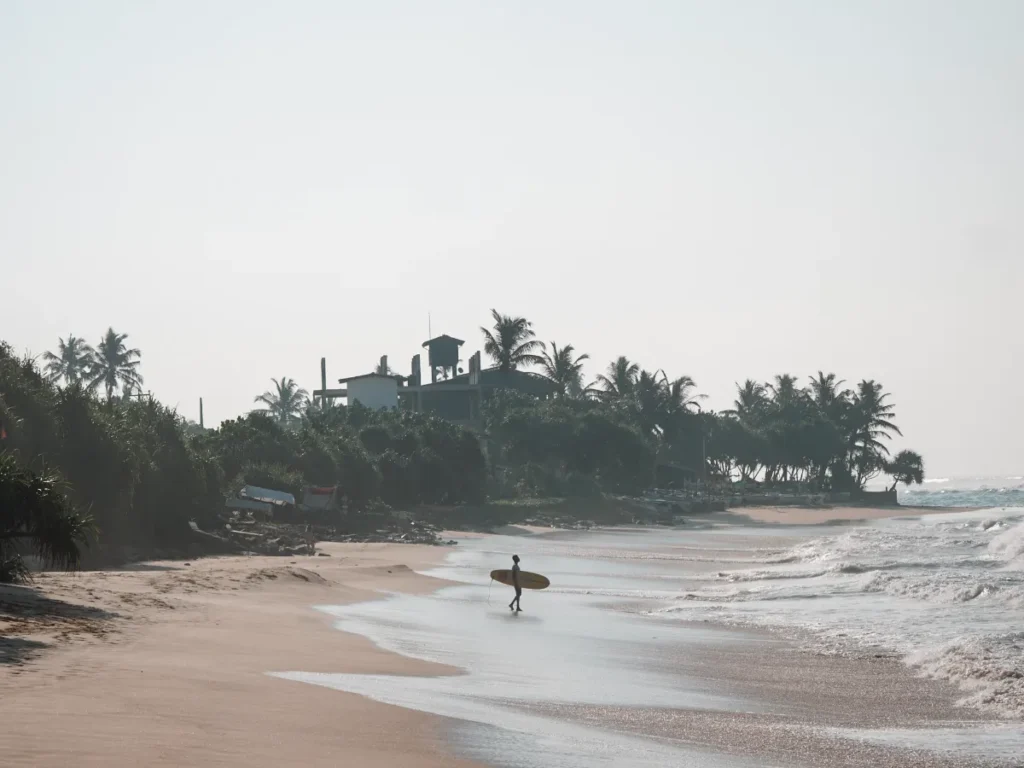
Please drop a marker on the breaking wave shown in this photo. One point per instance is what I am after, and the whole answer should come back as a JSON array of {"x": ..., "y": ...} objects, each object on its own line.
[{"x": 943, "y": 592}]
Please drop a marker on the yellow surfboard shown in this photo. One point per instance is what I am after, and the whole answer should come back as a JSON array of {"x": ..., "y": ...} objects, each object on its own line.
[{"x": 527, "y": 580}]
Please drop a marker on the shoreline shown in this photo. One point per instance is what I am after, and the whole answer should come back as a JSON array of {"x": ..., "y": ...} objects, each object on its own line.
[
  {"x": 171, "y": 660},
  {"x": 176, "y": 660}
]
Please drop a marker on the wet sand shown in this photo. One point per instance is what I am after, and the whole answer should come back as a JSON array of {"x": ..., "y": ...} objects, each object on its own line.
[
  {"x": 783, "y": 515},
  {"x": 175, "y": 664},
  {"x": 821, "y": 710},
  {"x": 633, "y": 690},
  {"x": 167, "y": 665}
]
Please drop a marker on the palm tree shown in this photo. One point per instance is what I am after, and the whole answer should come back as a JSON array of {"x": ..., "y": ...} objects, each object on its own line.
[
  {"x": 511, "y": 342},
  {"x": 827, "y": 395},
  {"x": 679, "y": 394},
  {"x": 750, "y": 401},
  {"x": 286, "y": 402},
  {"x": 115, "y": 364},
  {"x": 784, "y": 390},
  {"x": 871, "y": 422},
  {"x": 648, "y": 397},
  {"x": 73, "y": 361},
  {"x": 562, "y": 368},
  {"x": 620, "y": 378}
]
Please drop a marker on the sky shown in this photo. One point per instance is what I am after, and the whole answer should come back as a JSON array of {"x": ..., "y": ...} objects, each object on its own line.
[{"x": 722, "y": 189}]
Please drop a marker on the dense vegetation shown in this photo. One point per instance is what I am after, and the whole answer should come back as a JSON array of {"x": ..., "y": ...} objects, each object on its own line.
[
  {"x": 83, "y": 452},
  {"x": 122, "y": 466},
  {"x": 92, "y": 454},
  {"x": 824, "y": 436}
]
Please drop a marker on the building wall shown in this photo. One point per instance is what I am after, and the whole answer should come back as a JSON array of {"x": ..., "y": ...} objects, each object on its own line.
[{"x": 375, "y": 393}]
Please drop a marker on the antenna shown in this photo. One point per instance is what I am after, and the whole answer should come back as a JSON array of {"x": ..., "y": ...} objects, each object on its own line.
[{"x": 430, "y": 333}]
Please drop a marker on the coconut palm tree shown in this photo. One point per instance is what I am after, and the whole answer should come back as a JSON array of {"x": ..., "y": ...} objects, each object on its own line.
[
  {"x": 679, "y": 394},
  {"x": 115, "y": 365},
  {"x": 511, "y": 342},
  {"x": 827, "y": 395},
  {"x": 784, "y": 391},
  {"x": 286, "y": 402},
  {"x": 620, "y": 378},
  {"x": 564, "y": 369},
  {"x": 648, "y": 395},
  {"x": 750, "y": 402},
  {"x": 870, "y": 422},
  {"x": 73, "y": 361}
]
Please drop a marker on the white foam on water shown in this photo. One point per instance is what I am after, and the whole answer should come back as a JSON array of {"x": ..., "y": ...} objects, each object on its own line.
[{"x": 944, "y": 592}]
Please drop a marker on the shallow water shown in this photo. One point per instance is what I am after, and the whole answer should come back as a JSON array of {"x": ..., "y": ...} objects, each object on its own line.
[{"x": 943, "y": 592}]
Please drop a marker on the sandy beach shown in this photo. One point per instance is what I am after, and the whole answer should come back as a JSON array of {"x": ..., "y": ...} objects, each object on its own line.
[
  {"x": 228, "y": 662},
  {"x": 165, "y": 664}
]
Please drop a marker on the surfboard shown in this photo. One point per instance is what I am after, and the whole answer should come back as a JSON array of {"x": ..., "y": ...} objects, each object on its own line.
[{"x": 527, "y": 580}]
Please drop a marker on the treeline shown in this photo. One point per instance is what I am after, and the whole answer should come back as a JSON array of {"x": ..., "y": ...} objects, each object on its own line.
[
  {"x": 125, "y": 469},
  {"x": 397, "y": 457},
  {"x": 95, "y": 465},
  {"x": 825, "y": 435},
  {"x": 83, "y": 456}
]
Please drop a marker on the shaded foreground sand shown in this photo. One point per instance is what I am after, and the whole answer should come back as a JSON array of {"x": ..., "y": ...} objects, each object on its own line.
[{"x": 166, "y": 664}]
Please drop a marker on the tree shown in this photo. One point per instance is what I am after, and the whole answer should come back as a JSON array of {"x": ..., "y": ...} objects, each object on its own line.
[
  {"x": 286, "y": 402},
  {"x": 827, "y": 395},
  {"x": 620, "y": 378},
  {"x": 563, "y": 369},
  {"x": 750, "y": 402},
  {"x": 784, "y": 391},
  {"x": 511, "y": 342},
  {"x": 679, "y": 394},
  {"x": 871, "y": 422},
  {"x": 34, "y": 512},
  {"x": 115, "y": 364},
  {"x": 72, "y": 363},
  {"x": 907, "y": 467}
]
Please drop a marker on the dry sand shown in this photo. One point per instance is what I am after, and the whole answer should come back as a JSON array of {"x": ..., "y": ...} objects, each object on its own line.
[{"x": 166, "y": 664}]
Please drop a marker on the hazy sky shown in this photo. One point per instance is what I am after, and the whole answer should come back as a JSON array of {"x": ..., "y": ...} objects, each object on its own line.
[{"x": 722, "y": 189}]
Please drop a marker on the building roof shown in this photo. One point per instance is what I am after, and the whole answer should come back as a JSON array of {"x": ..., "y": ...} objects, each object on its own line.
[
  {"x": 443, "y": 337},
  {"x": 373, "y": 375}
]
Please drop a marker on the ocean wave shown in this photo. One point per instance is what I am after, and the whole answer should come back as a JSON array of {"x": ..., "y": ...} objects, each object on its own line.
[
  {"x": 1008, "y": 546},
  {"x": 1008, "y": 592},
  {"x": 944, "y": 592},
  {"x": 989, "y": 668}
]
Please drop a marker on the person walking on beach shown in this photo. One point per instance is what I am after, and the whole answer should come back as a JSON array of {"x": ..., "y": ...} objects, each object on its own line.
[{"x": 515, "y": 583}]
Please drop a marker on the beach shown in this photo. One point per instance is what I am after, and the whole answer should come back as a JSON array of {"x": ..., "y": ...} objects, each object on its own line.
[
  {"x": 165, "y": 664},
  {"x": 773, "y": 636}
]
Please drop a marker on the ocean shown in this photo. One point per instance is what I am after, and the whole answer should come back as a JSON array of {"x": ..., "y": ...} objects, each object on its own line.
[
  {"x": 988, "y": 491},
  {"x": 574, "y": 679}
]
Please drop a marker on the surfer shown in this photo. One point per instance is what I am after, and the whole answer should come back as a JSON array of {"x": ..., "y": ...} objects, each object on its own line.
[{"x": 515, "y": 583}]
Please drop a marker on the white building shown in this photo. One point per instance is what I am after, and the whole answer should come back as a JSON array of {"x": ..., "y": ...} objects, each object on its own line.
[{"x": 372, "y": 390}]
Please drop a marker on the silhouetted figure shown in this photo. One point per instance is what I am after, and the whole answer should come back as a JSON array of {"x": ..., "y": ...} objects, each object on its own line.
[{"x": 515, "y": 583}]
